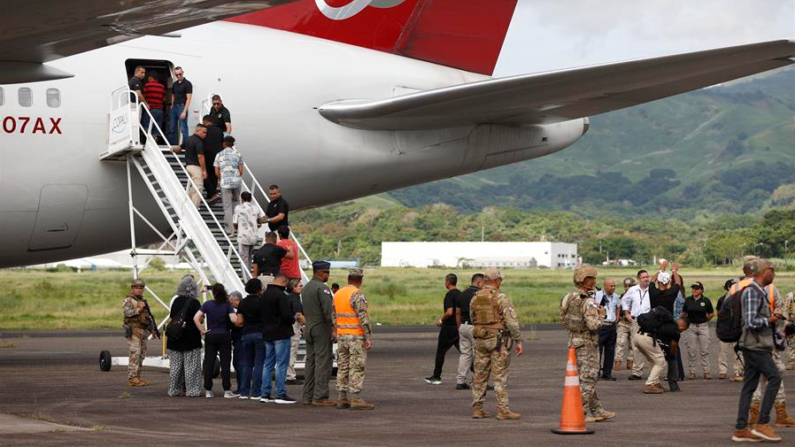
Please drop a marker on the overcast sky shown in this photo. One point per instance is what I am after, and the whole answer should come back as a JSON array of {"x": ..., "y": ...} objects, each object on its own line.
[{"x": 552, "y": 34}]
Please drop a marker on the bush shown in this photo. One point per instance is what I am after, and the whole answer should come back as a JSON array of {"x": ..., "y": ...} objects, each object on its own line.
[{"x": 157, "y": 264}]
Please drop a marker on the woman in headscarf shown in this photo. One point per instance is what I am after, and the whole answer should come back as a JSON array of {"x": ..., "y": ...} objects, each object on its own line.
[{"x": 185, "y": 352}]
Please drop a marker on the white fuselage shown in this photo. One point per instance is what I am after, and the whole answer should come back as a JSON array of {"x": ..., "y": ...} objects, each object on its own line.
[{"x": 59, "y": 201}]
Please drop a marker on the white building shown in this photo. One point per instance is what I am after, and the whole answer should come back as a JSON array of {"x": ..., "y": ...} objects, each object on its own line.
[{"x": 478, "y": 254}]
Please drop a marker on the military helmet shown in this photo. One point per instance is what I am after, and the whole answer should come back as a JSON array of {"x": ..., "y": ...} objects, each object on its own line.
[
  {"x": 583, "y": 271},
  {"x": 137, "y": 283}
]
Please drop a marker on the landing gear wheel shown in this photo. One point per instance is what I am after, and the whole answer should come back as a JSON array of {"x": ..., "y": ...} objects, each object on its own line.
[
  {"x": 104, "y": 361},
  {"x": 216, "y": 368}
]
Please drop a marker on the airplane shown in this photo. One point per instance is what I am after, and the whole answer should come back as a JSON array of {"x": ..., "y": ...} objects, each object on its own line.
[{"x": 330, "y": 99}]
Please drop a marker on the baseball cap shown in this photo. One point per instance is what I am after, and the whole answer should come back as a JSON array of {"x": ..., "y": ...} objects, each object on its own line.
[
  {"x": 356, "y": 273},
  {"x": 493, "y": 273},
  {"x": 697, "y": 285},
  {"x": 629, "y": 282},
  {"x": 664, "y": 277}
]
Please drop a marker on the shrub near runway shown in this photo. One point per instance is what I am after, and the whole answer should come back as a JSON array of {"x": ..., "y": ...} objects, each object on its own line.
[{"x": 39, "y": 300}]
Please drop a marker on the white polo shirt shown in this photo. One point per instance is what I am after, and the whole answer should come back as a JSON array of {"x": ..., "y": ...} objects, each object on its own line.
[{"x": 636, "y": 301}]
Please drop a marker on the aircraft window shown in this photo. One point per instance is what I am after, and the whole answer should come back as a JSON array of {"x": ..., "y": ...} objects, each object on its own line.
[
  {"x": 2, "y": 96},
  {"x": 25, "y": 97},
  {"x": 53, "y": 97}
]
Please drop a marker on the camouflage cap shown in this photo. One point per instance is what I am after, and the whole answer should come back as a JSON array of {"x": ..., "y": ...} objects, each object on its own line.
[
  {"x": 748, "y": 262},
  {"x": 356, "y": 273},
  {"x": 760, "y": 265},
  {"x": 138, "y": 283},
  {"x": 493, "y": 273},
  {"x": 629, "y": 282}
]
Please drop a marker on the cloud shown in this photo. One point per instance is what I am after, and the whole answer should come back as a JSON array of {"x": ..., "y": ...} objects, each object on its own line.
[{"x": 553, "y": 34}]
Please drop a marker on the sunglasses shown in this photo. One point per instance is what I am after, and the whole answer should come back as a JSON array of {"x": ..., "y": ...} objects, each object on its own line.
[{"x": 216, "y": 103}]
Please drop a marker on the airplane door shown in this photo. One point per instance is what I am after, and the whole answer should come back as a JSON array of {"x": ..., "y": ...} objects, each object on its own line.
[{"x": 60, "y": 214}]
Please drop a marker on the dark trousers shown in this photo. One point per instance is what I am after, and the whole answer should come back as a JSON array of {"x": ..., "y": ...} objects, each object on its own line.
[
  {"x": 607, "y": 348},
  {"x": 680, "y": 365},
  {"x": 215, "y": 345},
  {"x": 237, "y": 359},
  {"x": 448, "y": 337},
  {"x": 211, "y": 182},
  {"x": 758, "y": 363},
  {"x": 319, "y": 363}
]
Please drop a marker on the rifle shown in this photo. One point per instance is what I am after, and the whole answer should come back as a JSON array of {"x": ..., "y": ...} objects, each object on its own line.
[{"x": 152, "y": 325}]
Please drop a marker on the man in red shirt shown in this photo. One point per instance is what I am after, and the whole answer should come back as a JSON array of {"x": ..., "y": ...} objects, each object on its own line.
[
  {"x": 289, "y": 266},
  {"x": 154, "y": 93}
]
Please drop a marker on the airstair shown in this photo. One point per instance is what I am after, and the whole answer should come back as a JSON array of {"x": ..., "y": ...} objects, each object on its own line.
[{"x": 195, "y": 234}]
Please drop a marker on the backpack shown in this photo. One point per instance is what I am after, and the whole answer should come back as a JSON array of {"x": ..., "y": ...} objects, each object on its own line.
[
  {"x": 651, "y": 321},
  {"x": 177, "y": 325},
  {"x": 730, "y": 318}
]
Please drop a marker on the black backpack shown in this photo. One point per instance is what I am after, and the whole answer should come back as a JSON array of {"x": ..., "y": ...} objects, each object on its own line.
[
  {"x": 730, "y": 318},
  {"x": 177, "y": 325},
  {"x": 651, "y": 321}
]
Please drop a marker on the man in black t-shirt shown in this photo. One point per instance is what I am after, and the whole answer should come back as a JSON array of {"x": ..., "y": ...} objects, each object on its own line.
[
  {"x": 698, "y": 310},
  {"x": 194, "y": 162},
  {"x": 180, "y": 104},
  {"x": 136, "y": 85},
  {"x": 268, "y": 259},
  {"x": 663, "y": 293},
  {"x": 278, "y": 209},
  {"x": 213, "y": 144},
  {"x": 448, "y": 334},
  {"x": 220, "y": 115},
  {"x": 466, "y": 342}
]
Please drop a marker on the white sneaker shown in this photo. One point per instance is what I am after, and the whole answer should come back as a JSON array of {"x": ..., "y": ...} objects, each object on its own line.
[
  {"x": 208, "y": 394},
  {"x": 244, "y": 397},
  {"x": 230, "y": 395}
]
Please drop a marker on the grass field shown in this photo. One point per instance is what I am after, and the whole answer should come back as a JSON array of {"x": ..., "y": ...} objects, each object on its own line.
[{"x": 39, "y": 300}]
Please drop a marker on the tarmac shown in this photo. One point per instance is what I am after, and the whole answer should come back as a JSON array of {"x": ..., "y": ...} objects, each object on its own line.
[{"x": 52, "y": 392}]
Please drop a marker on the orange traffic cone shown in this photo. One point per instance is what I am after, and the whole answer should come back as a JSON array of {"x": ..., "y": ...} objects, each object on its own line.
[{"x": 572, "y": 419}]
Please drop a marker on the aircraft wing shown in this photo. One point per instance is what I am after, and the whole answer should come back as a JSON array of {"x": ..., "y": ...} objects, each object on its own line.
[
  {"x": 37, "y": 31},
  {"x": 561, "y": 95}
]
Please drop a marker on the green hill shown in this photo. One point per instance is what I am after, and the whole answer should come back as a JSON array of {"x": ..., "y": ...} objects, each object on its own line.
[{"x": 722, "y": 149}]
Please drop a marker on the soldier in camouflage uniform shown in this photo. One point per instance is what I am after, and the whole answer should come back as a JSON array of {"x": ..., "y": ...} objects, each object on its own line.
[
  {"x": 581, "y": 316},
  {"x": 780, "y": 403},
  {"x": 789, "y": 312},
  {"x": 624, "y": 335},
  {"x": 495, "y": 329},
  {"x": 352, "y": 326},
  {"x": 136, "y": 325}
]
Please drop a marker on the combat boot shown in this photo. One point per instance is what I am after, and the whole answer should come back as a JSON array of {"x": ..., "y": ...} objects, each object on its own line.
[
  {"x": 753, "y": 418},
  {"x": 629, "y": 365},
  {"x": 343, "y": 404},
  {"x": 480, "y": 413},
  {"x": 653, "y": 389},
  {"x": 508, "y": 416},
  {"x": 604, "y": 415},
  {"x": 136, "y": 382},
  {"x": 358, "y": 404},
  {"x": 782, "y": 418},
  {"x": 617, "y": 365}
]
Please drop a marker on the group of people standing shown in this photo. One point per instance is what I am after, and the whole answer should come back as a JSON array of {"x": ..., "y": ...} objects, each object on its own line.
[{"x": 259, "y": 336}]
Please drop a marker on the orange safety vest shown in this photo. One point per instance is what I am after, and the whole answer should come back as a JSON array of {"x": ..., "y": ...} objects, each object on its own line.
[
  {"x": 771, "y": 293},
  {"x": 347, "y": 319}
]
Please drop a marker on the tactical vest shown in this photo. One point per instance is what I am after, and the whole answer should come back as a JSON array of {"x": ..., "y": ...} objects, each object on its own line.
[
  {"x": 137, "y": 321},
  {"x": 347, "y": 319},
  {"x": 571, "y": 316},
  {"x": 485, "y": 310}
]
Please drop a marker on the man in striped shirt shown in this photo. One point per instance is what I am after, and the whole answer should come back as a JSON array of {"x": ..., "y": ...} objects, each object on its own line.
[{"x": 154, "y": 93}]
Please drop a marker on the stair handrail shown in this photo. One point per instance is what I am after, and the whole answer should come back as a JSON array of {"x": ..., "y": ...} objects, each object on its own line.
[{"x": 184, "y": 199}]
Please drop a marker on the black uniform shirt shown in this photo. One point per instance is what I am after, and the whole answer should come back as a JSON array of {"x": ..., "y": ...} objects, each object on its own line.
[
  {"x": 697, "y": 310},
  {"x": 463, "y": 303},
  {"x": 276, "y": 207},
  {"x": 269, "y": 259},
  {"x": 193, "y": 148},
  {"x": 220, "y": 118},
  {"x": 450, "y": 299},
  {"x": 181, "y": 90}
]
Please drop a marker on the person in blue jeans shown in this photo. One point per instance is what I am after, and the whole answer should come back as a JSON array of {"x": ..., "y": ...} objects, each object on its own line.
[
  {"x": 252, "y": 346},
  {"x": 182, "y": 93},
  {"x": 277, "y": 329}
]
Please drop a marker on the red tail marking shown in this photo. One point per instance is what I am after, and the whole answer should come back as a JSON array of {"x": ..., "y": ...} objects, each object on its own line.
[{"x": 465, "y": 34}]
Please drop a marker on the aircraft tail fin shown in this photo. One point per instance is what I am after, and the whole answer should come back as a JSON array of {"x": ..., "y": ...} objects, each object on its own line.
[{"x": 462, "y": 34}]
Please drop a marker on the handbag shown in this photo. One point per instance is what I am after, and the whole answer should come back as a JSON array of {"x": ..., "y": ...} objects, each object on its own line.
[{"x": 176, "y": 326}]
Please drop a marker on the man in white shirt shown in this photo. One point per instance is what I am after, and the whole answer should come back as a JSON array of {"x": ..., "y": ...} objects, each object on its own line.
[
  {"x": 634, "y": 303},
  {"x": 608, "y": 299},
  {"x": 246, "y": 220}
]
